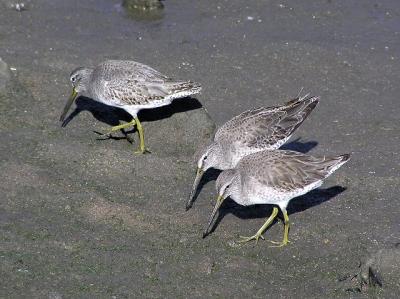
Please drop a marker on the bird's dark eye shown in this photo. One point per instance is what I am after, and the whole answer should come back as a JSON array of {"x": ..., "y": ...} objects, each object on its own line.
[
  {"x": 73, "y": 79},
  {"x": 227, "y": 187},
  {"x": 205, "y": 158}
]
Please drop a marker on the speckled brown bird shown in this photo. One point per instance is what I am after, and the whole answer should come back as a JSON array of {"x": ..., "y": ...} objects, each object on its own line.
[
  {"x": 273, "y": 177},
  {"x": 265, "y": 128},
  {"x": 129, "y": 85}
]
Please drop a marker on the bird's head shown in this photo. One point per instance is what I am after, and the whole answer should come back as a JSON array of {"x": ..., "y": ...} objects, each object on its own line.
[
  {"x": 79, "y": 79},
  {"x": 210, "y": 157},
  {"x": 207, "y": 156}
]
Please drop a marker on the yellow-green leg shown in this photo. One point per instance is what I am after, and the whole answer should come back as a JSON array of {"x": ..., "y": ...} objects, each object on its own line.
[
  {"x": 286, "y": 232},
  {"x": 262, "y": 228},
  {"x": 142, "y": 149},
  {"x": 120, "y": 127}
]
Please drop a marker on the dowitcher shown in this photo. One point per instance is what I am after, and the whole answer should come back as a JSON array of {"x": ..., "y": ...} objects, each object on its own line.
[
  {"x": 129, "y": 85},
  {"x": 265, "y": 128},
  {"x": 273, "y": 177}
]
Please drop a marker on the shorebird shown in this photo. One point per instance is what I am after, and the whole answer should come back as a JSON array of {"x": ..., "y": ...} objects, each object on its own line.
[
  {"x": 273, "y": 177},
  {"x": 265, "y": 128},
  {"x": 130, "y": 85}
]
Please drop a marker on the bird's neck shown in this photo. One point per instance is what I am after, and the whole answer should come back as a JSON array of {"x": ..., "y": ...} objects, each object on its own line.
[
  {"x": 235, "y": 190},
  {"x": 85, "y": 84}
]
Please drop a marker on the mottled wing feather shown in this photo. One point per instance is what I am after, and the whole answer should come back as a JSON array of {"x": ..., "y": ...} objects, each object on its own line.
[
  {"x": 247, "y": 123},
  {"x": 265, "y": 130},
  {"x": 133, "y": 92},
  {"x": 111, "y": 69},
  {"x": 287, "y": 170},
  {"x": 265, "y": 127},
  {"x": 133, "y": 83}
]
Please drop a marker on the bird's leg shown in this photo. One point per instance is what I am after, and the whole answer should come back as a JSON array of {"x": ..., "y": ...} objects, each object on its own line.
[
  {"x": 120, "y": 127},
  {"x": 142, "y": 149},
  {"x": 286, "y": 232},
  {"x": 262, "y": 228}
]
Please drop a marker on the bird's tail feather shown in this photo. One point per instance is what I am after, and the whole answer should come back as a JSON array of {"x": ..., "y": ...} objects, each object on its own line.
[
  {"x": 296, "y": 111},
  {"x": 337, "y": 162},
  {"x": 187, "y": 86}
]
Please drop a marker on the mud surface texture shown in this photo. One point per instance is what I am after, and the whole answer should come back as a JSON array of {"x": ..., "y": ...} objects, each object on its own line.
[{"x": 83, "y": 218}]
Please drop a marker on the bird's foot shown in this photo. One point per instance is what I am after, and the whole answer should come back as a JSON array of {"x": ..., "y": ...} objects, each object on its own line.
[
  {"x": 247, "y": 239},
  {"x": 104, "y": 136},
  {"x": 279, "y": 244},
  {"x": 143, "y": 151},
  {"x": 117, "y": 128}
]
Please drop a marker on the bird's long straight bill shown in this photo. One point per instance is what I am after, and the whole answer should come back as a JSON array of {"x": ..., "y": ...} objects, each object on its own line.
[
  {"x": 196, "y": 182},
  {"x": 218, "y": 204},
  {"x": 68, "y": 104}
]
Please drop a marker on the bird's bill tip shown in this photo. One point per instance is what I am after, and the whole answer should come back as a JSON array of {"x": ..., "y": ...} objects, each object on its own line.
[
  {"x": 68, "y": 104},
  {"x": 189, "y": 204},
  {"x": 196, "y": 182},
  {"x": 218, "y": 204}
]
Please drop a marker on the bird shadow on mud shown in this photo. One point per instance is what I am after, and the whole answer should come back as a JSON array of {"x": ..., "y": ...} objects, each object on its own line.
[
  {"x": 210, "y": 175},
  {"x": 113, "y": 115},
  {"x": 177, "y": 106},
  {"x": 299, "y": 146},
  {"x": 298, "y": 204}
]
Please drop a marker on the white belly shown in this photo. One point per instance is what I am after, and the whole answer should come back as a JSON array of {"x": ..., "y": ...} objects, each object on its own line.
[{"x": 261, "y": 194}]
